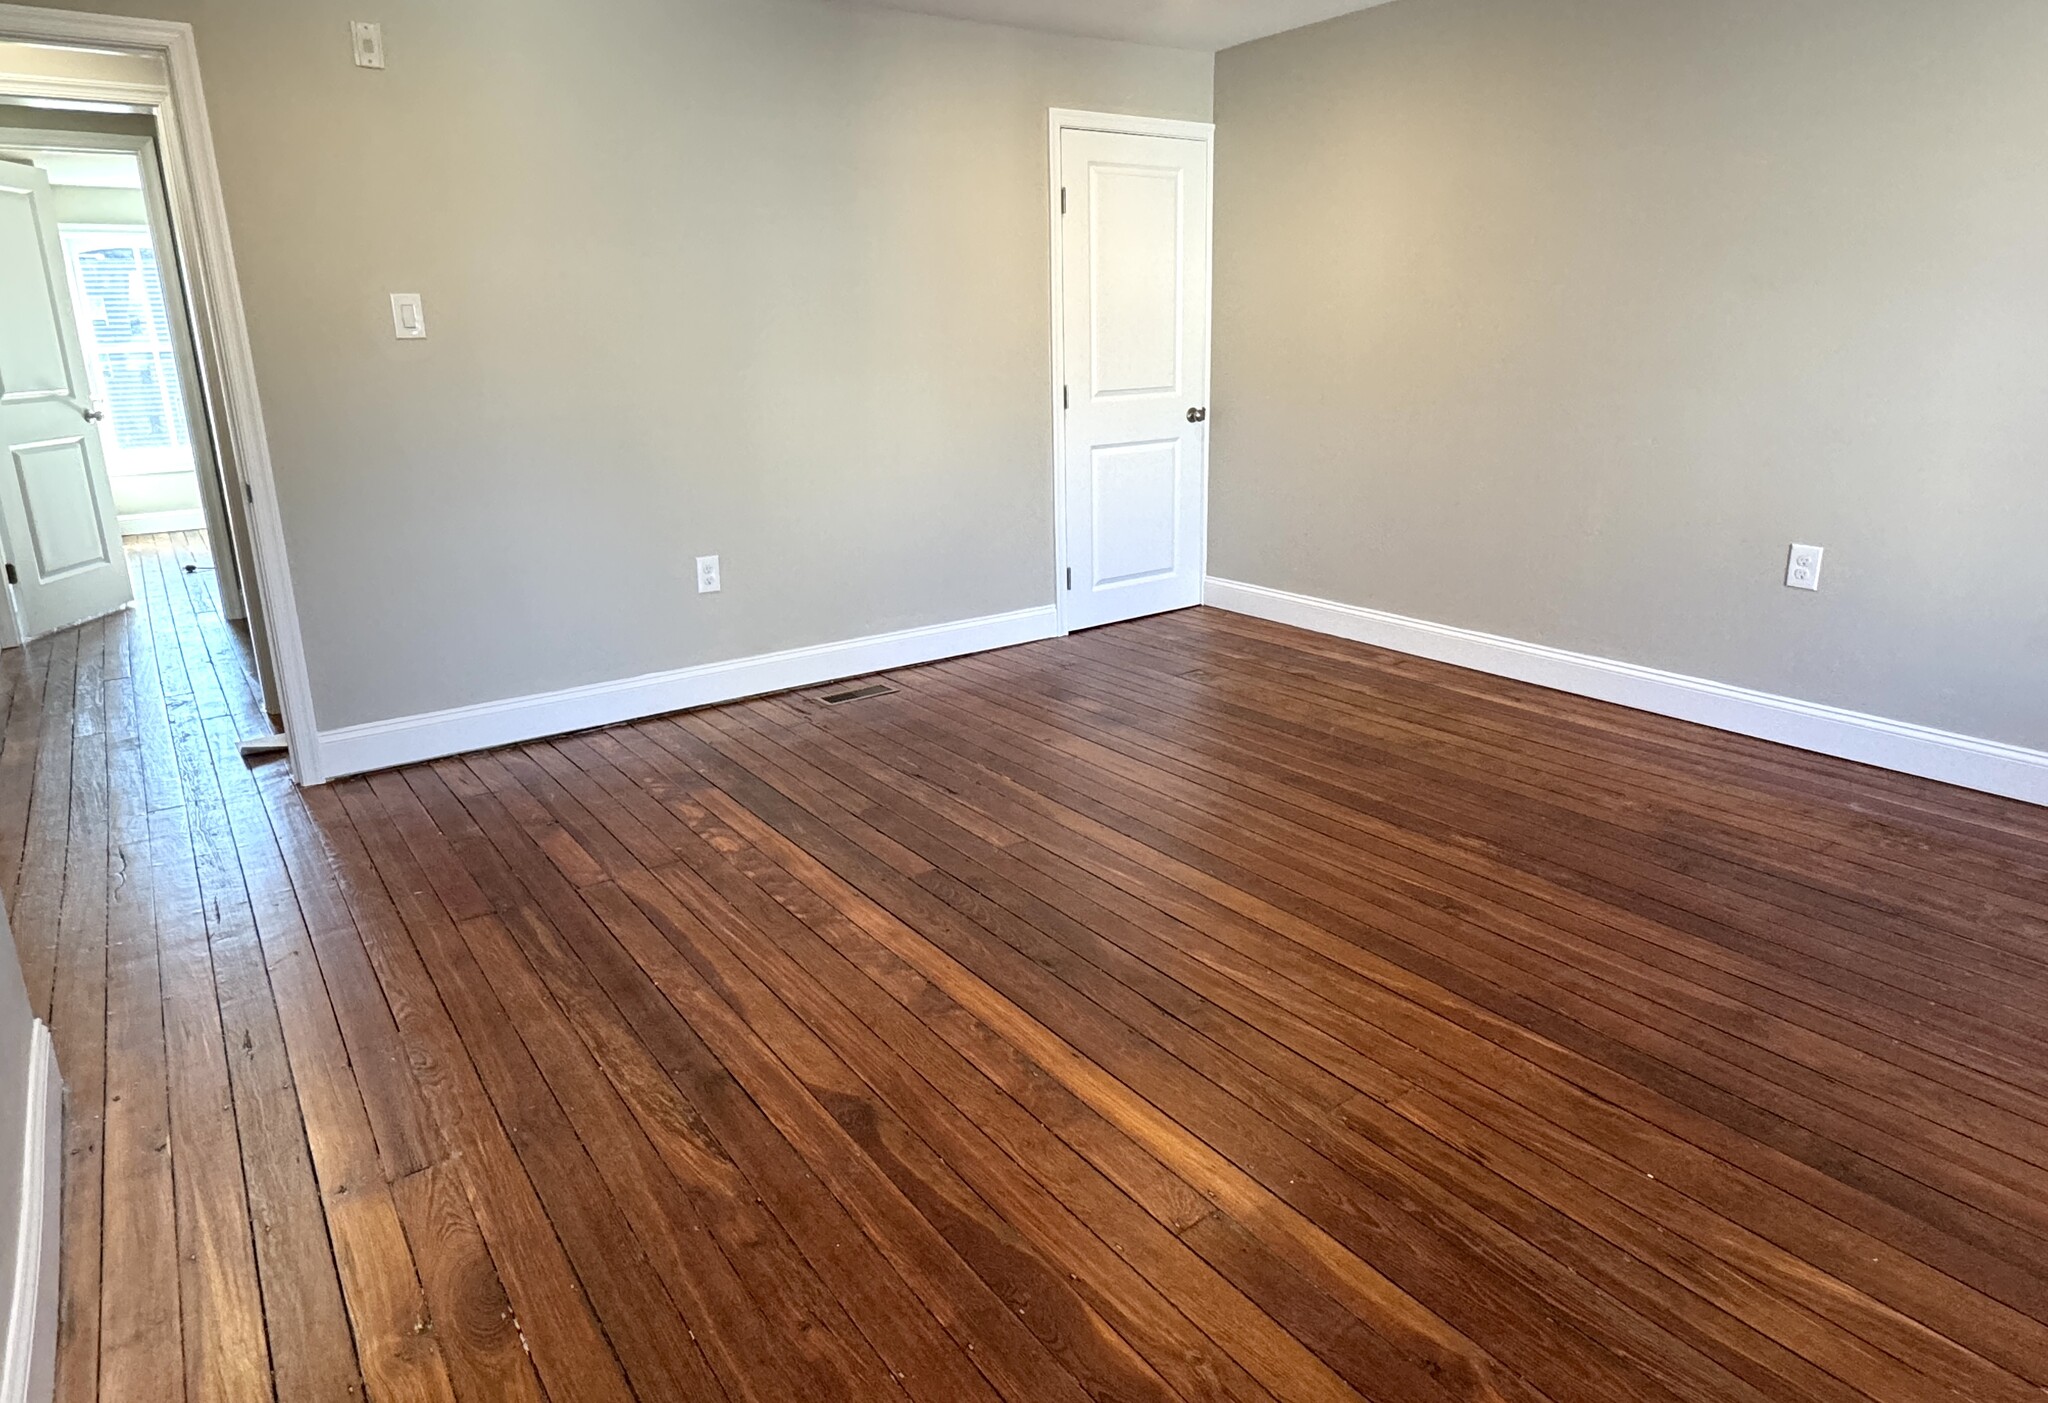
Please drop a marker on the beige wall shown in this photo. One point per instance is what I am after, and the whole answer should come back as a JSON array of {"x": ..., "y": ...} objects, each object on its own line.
[
  {"x": 1561, "y": 319},
  {"x": 759, "y": 278}
]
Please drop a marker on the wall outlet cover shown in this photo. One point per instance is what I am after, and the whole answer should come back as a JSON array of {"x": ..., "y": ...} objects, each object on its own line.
[
  {"x": 1802, "y": 571},
  {"x": 707, "y": 574}
]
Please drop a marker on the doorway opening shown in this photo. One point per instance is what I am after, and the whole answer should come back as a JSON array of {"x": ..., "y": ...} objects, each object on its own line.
[
  {"x": 131, "y": 448},
  {"x": 126, "y": 304}
]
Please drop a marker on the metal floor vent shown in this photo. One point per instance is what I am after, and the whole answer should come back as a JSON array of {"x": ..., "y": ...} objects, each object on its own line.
[{"x": 875, "y": 689}]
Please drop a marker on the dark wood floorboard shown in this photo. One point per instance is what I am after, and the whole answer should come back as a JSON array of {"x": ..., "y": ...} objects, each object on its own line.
[{"x": 1192, "y": 1009}]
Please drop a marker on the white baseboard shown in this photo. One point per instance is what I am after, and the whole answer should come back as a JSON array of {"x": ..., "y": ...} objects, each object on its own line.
[
  {"x": 408, "y": 740},
  {"x": 1990, "y": 766},
  {"x": 29, "y": 1371},
  {"x": 150, "y": 523}
]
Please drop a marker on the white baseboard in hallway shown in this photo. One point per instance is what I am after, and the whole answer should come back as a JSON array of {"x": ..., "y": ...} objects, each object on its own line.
[
  {"x": 407, "y": 740},
  {"x": 151, "y": 523},
  {"x": 1989, "y": 766},
  {"x": 28, "y": 1371}
]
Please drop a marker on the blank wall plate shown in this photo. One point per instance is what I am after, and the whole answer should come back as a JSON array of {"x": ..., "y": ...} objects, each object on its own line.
[
  {"x": 368, "y": 38},
  {"x": 1803, "y": 570}
]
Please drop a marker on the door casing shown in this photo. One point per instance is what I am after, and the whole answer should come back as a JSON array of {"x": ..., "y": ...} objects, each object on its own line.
[
  {"x": 1063, "y": 120},
  {"x": 198, "y": 212}
]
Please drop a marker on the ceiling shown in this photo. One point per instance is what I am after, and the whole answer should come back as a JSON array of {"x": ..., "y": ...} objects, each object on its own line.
[{"x": 1180, "y": 24}]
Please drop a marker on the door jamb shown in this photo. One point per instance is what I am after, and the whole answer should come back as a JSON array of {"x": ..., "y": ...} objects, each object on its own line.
[
  {"x": 1063, "y": 120},
  {"x": 199, "y": 220}
]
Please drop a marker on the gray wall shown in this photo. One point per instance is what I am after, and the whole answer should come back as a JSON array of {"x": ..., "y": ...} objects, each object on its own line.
[
  {"x": 1561, "y": 319},
  {"x": 757, "y": 278}
]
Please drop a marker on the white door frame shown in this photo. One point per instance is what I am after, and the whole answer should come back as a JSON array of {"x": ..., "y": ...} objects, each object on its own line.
[
  {"x": 200, "y": 223},
  {"x": 206, "y": 464},
  {"x": 1064, "y": 120}
]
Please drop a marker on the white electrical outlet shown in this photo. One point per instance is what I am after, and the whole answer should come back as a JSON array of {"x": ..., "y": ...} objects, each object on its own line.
[
  {"x": 368, "y": 39},
  {"x": 1803, "y": 571},
  {"x": 707, "y": 574}
]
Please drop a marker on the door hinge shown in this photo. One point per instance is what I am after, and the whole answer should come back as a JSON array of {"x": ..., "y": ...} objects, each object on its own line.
[
  {"x": 1070, "y": 575},
  {"x": 1063, "y": 199},
  {"x": 14, "y": 579},
  {"x": 1066, "y": 398}
]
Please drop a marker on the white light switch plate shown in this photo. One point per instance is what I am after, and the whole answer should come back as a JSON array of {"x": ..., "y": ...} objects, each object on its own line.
[
  {"x": 408, "y": 316},
  {"x": 1803, "y": 570},
  {"x": 368, "y": 39}
]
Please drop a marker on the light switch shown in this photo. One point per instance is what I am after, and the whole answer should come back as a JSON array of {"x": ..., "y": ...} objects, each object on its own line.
[
  {"x": 408, "y": 316},
  {"x": 369, "y": 43}
]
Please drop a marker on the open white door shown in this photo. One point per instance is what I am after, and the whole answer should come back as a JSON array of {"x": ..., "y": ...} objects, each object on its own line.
[
  {"x": 62, "y": 538},
  {"x": 1134, "y": 277}
]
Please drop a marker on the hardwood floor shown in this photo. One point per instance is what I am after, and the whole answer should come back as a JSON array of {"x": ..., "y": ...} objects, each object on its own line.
[{"x": 1192, "y": 1009}]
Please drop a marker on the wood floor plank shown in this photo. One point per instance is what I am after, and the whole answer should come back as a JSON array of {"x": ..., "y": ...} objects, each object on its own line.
[
  {"x": 312, "y": 1347},
  {"x": 1818, "y": 1078},
  {"x": 1770, "y": 979},
  {"x": 36, "y": 899},
  {"x": 570, "y": 1350},
  {"x": 1307, "y": 1241},
  {"x": 227, "y": 1353},
  {"x": 396, "y": 1351},
  {"x": 1411, "y": 768},
  {"x": 141, "y": 1350},
  {"x": 1972, "y": 1317},
  {"x": 78, "y": 1017},
  {"x": 949, "y": 1162},
  {"x": 472, "y": 1319},
  {"x": 1190, "y": 1010},
  {"x": 652, "y": 1337},
  {"x": 1049, "y": 1121},
  {"x": 1530, "y": 719},
  {"x": 784, "y": 1145},
  {"x": 1629, "y": 1276},
  {"x": 756, "y": 1280}
]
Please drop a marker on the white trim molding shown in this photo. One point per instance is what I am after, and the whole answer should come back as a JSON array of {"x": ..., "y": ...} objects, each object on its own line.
[
  {"x": 1989, "y": 766},
  {"x": 29, "y": 1371},
  {"x": 199, "y": 226},
  {"x": 408, "y": 740},
  {"x": 151, "y": 523}
]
